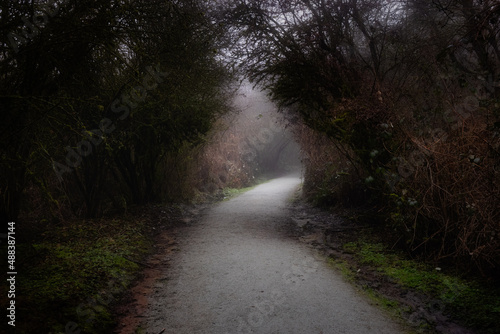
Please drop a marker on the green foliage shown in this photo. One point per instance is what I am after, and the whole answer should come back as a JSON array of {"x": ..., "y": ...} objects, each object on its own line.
[
  {"x": 476, "y": 303},
  {"x": 82, "y": 266},
  {"x": 344, "y": 268},
  {"x": 405, "y": 108},
  {"x": 103, "y": 94},
  {"x": 229, "y": 193}
]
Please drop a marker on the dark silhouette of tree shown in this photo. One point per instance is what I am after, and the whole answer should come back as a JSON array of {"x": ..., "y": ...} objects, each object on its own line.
[
  {"x": 403, "y": 91},
  {"x": 101, "y": 92}
]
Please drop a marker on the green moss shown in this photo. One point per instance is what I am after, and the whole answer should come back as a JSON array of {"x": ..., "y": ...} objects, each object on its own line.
[
  {"x": 77, "y": 272},
  {"x": 387, "y": 304},
  {"x": 350, "y": 247},
  {"x": 476, "y": 304},
  {"x": 233, "y": 192},
  {"x": 344, "y": 268},
  {"x": 229, "y": 193}
]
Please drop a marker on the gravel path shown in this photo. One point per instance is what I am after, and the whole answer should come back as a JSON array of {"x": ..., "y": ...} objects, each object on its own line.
[{"x": 236, "y": 271}]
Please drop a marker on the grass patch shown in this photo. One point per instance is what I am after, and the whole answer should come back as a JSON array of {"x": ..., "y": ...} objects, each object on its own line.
[
  {"x": 344, "y": 268},
  {"x": 476, "y": 304},
  {"x": 387, "y": 304},
  {"x": 392, "y": 307},
  {"x": 73, "y": 274},
  {"x": 229, "y": 193},
  {"x": 297, "y": 195}
]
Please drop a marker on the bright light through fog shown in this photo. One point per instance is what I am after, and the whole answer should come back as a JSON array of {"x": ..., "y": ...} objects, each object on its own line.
[{"x": 265, "y": 132}]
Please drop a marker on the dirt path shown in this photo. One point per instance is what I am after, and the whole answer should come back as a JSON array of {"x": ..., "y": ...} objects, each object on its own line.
[{"x": 236, "y": 271}]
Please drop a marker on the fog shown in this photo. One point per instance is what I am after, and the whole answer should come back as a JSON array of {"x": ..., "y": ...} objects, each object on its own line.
[{"x": 267, "y": 139}]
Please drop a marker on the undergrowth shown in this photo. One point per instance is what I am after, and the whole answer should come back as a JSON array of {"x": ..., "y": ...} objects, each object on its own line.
[
  {"x": 476, "y": 303},
  {"x": 70, "y": 277},
  {"x": 229, "y": 193}
]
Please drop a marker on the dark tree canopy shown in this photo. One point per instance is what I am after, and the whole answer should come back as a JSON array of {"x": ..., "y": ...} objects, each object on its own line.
[
  {"x": 102, "y": 92},
  {"x": 404, "y": 92}
]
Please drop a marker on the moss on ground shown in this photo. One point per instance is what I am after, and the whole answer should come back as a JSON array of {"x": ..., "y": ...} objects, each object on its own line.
[
  {"x": 229, "y": 193},
  {"x": 72, "y": 275},
  {"x": 475, "y": 303}
]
